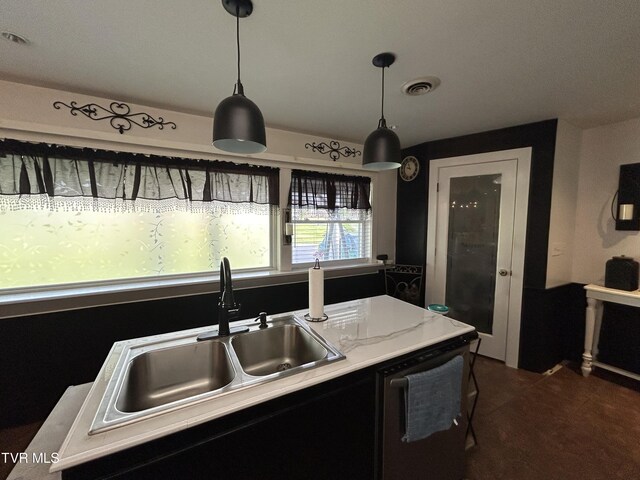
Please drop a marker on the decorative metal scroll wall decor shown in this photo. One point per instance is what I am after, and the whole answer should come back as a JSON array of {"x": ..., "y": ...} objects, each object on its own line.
[
  {"x": 333, "y": 149},
  {"x": 118, "y": 114}
]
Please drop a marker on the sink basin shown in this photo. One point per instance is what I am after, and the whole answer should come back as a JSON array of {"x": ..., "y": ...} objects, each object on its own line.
[
  {"x": 159, "y": 374},
  {"x": 166, "y": 375},
  {"x": 276, "y": 349}
]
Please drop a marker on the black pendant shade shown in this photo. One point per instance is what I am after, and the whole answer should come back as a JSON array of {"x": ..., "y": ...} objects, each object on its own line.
[
  {"x": 238, "y": 124},
  {"x": 382, "y": 146},
  {"x": 381, "y": 149}
]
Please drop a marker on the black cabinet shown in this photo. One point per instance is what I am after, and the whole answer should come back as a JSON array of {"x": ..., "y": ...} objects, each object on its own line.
[{"x": 325, "y": 431}]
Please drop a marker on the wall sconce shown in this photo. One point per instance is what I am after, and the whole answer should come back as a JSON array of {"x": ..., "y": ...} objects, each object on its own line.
[
  {"x": 628, "y": 198},
  {"x": 287, "y": 227}
]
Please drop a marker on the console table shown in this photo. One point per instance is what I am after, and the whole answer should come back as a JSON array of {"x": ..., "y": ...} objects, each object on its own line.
[{"x": 593, "y": 322}]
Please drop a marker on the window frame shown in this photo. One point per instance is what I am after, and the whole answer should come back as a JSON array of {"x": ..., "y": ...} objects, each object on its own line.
[
  {"x": 287, "y": 253},
  {"x": 37, "y": 184},
  {"x": 20, "y": 301}
]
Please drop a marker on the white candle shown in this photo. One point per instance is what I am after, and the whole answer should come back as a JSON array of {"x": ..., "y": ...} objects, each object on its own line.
[
  {"x": 316, "y": 291},
  {"x": 626, "y": 211}
]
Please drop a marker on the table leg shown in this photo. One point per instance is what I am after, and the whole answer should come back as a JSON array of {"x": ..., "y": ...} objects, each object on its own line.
[
  {"x": 589, "y": 320},
  {"x": 597, "y": 328}
]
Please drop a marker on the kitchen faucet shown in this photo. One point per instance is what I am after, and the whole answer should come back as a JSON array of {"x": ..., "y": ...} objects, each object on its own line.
[{"x": 228, "y": 309}]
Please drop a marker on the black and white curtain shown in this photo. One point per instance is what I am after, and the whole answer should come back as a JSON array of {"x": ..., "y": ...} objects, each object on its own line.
[
  {"x": 329, "y": 191},
  {"x": 57, "y": 177}
]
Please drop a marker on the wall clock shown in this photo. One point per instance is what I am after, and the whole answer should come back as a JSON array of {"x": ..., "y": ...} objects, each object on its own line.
[{"x": 409, "y": 168}]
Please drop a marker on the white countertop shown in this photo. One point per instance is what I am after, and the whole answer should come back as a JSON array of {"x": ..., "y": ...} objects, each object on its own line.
[{"x": 367, "y": 331}]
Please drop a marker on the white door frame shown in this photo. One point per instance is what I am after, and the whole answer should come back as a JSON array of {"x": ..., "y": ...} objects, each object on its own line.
[{"x": 523, "y": 158}]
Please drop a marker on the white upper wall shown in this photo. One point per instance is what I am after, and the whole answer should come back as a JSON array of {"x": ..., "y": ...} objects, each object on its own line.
[
  {"x": 27, "y": 113},
  {"x": 603, "y": 150},
  {"x": 564, "y": 199}
]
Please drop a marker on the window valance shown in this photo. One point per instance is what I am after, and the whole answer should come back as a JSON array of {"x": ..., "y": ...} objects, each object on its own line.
[
  {"x": 329, "y": 191},
  {"x": 33, "y": 175}
]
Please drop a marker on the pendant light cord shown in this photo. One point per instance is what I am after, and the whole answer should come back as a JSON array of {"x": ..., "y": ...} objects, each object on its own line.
[
  {"x": 238, "y": 89},
  {"x": 382, "y": 108},
  {"x": 238, "y": 37}
]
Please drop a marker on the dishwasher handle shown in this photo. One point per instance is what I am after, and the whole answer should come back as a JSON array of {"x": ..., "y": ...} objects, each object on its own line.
[{"x": 399, "y": 382}]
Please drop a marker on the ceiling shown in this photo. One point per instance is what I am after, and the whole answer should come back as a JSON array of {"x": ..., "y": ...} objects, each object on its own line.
[{"x": 307, "y": 64}]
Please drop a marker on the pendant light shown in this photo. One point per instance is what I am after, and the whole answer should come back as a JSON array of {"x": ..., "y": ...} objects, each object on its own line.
[
  {"x": 238, "y": 125},
  {"x": 382, "y": 147}
]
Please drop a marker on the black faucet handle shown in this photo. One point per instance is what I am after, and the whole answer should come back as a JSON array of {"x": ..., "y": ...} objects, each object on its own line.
[
  {"x": 263, "y": 320},
  {"x": 233, "y": 312}
]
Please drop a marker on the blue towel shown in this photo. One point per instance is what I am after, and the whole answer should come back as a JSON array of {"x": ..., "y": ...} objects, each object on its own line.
[{"x": 432, "y": 400}]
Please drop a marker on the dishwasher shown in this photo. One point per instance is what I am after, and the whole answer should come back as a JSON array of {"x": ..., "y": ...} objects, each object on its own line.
[{"x": 440, "y": 456}]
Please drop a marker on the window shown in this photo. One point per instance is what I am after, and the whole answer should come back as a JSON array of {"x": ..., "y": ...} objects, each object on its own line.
[
  {"x": 72, "y": 215},
  {"x": 331, "y": 216}
]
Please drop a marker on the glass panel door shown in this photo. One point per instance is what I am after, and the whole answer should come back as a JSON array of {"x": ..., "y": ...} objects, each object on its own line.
[
  {"x": 472, "y": 248},
  {"x": 474, "y": 241}
]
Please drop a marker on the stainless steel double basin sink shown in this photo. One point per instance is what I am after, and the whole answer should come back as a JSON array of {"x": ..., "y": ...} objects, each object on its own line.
[{"x": 156, "y": 375}]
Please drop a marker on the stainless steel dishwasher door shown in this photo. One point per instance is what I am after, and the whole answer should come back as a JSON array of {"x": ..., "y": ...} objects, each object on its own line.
[{"x": 438, "y": 457}]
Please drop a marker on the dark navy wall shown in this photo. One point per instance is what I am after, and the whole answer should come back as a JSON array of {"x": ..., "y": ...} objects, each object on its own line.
[
  {"x": 541, "y": 344},
  {"x": 41, "y": 355},
  {"x": 411, "y": 230}
]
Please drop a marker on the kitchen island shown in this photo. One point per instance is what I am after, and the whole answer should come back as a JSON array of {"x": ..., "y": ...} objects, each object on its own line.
[{"x": 369, "y": 332}]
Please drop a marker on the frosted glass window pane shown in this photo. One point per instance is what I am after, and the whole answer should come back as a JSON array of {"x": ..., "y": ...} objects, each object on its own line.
[{"x": 41, "y": 247}]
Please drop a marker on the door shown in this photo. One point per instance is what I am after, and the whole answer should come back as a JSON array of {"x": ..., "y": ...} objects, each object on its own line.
[{"x": 473, "y": 252}]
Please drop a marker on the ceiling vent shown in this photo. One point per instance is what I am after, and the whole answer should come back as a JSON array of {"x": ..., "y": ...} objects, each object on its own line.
[{"x": 420, "y": 86}]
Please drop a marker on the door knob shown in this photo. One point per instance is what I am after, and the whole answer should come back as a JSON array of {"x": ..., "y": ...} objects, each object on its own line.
[{"x": 503, "y": 272}]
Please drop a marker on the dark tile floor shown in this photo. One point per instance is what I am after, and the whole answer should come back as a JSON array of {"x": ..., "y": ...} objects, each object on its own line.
[
  {"x": 529, "y": 426},
  {"x": 561, "y": 426}
]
